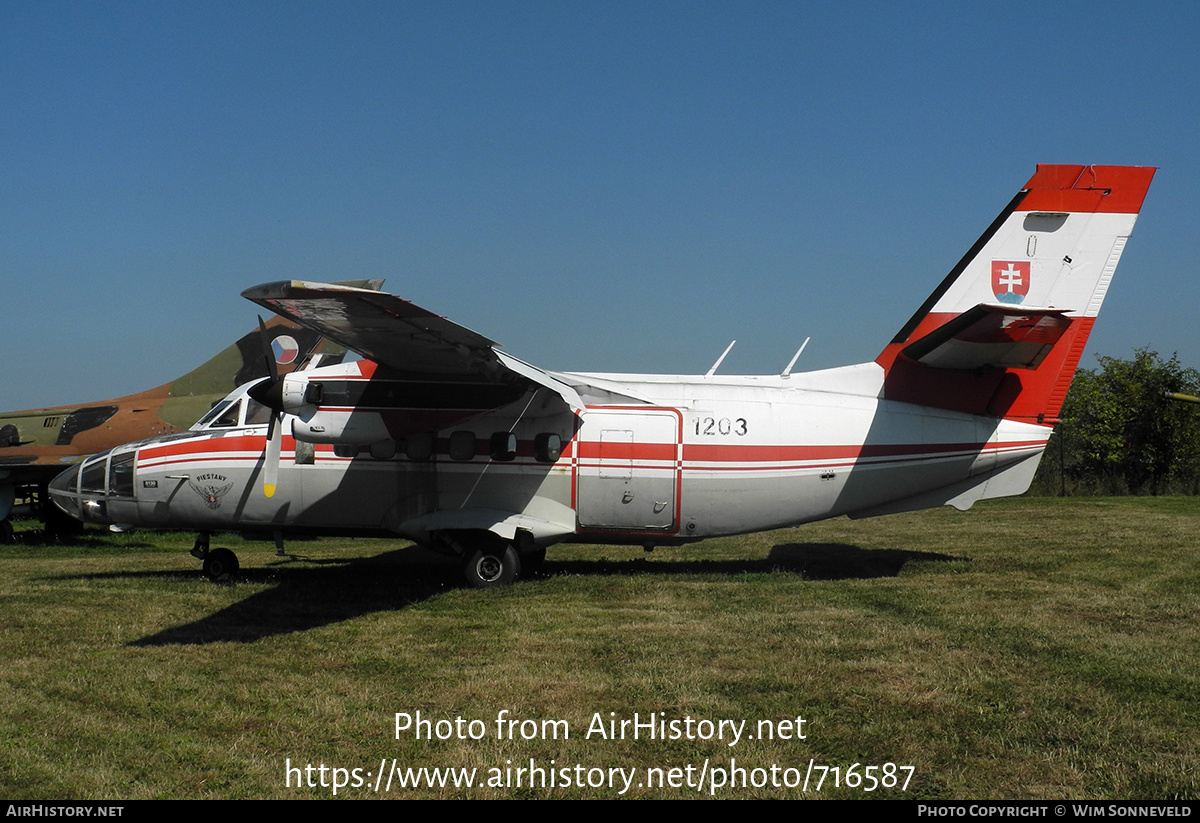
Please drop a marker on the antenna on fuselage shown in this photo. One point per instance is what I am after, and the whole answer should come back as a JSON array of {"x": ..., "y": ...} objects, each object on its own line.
[
  {"x": 788, "y": 371},
  {"x": 709, "y": 373}
]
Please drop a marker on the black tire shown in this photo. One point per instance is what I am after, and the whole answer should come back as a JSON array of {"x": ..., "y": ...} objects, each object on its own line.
[
  {"x": 221, "y": 565},
  {"x": 492, "y": 567}
]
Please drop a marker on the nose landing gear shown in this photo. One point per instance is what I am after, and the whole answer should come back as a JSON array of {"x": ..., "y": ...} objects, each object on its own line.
[{"x": 220, "y": 565}]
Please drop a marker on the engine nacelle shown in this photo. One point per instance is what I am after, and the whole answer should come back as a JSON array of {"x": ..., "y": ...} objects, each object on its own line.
[
  {"x": 299, "y": 396},
  {"x": 358, "y": 428}
]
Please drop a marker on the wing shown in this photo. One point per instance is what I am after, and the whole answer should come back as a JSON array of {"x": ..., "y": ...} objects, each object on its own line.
[{"x": 399, "y": 334}]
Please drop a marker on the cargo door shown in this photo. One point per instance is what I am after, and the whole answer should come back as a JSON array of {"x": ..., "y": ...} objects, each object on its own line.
[{"x": 627, "y": 471}]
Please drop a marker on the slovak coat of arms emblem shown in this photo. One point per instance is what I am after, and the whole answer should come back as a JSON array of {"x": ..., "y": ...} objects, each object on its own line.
[{"x": 1010, "y": 280}]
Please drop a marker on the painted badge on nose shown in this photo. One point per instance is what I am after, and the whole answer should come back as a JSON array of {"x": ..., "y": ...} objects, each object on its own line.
[{"x": 211, "y": 487}]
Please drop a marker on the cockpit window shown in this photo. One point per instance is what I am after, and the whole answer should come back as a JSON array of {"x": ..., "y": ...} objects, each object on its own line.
[
  {"x": 120, "y": 475},
  {"x": 256, "y": 413},
  {"x": 213, "y": 413},
  {"x": 92, "y": 476},
  {"x": 229, "y": 418}
]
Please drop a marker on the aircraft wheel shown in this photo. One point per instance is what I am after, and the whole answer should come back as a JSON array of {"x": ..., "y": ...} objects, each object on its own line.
[
  {"x": 490, "y": 567},
  {"x": 6, "y": 532},
  {"x": 221, "y": 565}
]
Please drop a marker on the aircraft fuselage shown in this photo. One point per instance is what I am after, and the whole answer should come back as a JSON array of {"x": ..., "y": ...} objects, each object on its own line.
[{"x": 694, "y": 458}]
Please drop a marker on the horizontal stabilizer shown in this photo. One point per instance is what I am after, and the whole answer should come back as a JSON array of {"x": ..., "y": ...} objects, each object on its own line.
[{"x": 1004, "y": 336}]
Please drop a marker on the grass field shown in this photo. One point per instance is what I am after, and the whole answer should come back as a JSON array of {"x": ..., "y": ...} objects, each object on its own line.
[{"x": 1032, "y": 648}]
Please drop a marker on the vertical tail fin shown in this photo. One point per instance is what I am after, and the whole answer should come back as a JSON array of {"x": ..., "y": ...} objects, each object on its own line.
[{"x": 1004, "y": 332}]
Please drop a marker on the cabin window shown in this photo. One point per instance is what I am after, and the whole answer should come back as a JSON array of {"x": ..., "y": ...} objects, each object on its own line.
[
  {"x": 503, "y": 446},
  {"x": 384, "y": 451},
  {"x": 419, "y": 446},
  {"x": 462, "y": 445},
  {"x": 547, "y": 447}
]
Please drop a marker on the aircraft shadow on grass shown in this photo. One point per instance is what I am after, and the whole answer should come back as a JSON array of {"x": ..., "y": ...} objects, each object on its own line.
[
  {"x": 90, "y": 540},
  {"x": 813, "y": 561},
  {"x": 328, "y": 591}
]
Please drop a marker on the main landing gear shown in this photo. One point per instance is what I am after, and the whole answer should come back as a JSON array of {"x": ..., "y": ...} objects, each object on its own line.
[
  {"x": 489, "y": 561},
  {"x": 492, "y": 566},
  {"x": 220, "y": 565}
]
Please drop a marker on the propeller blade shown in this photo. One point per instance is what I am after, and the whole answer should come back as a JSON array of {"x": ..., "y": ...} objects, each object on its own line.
[
  {"x": 268, "y": 352},
  {"x": 269, "y": 392},
  {"x": 271, "y": 456}
]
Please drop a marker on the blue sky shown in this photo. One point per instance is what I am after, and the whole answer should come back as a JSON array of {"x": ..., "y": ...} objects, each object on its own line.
[{"x": 598, "y": 186}]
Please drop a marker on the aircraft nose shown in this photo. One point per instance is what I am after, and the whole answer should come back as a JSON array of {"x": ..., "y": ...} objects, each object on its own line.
[
  {"x": 88, "y": 506},
  {"x": 64, "y": 491}
]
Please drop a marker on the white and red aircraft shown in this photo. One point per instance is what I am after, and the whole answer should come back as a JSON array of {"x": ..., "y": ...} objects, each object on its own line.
[{"x": 441, "y": 438}]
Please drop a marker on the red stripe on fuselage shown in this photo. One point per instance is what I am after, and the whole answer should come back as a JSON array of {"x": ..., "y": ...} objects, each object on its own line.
[
  {"x": 746, "y": 456},
  {"x": 591, "y": 450},
  {"x": 203, "y": 445}
]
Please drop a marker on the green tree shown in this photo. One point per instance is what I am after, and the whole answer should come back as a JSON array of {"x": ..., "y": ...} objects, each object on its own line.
[{"x": 1121, "y": 435}]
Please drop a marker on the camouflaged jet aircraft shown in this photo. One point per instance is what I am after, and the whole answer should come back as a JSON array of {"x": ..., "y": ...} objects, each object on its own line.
[
  {"x": 36, "y": 444},
  {"x": 440, "y": 437}
]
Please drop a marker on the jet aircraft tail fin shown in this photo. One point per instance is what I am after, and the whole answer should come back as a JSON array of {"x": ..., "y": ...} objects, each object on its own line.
[{"x": 1004, "y": 332}]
